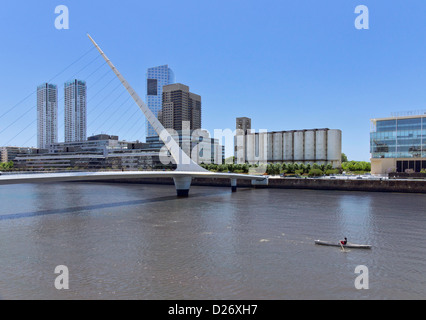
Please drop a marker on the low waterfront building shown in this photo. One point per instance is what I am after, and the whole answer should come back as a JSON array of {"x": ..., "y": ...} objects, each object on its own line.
[
  {"x": 398, "y": 143},
  {"x": 197, "y": 144},
  {"x": 321, "y": 146},
  {"x": 98, "y": 152},
  {"x": 10, "y": 153}
]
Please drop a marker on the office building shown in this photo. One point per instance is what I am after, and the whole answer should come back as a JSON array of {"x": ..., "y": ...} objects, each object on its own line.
[
  {"x": 47, "y": 114},
  {"x": 321, "y": 146},
  {"x": 156, "y": 78},
  {"x": 398, "y": 143},
  {"x": 197, "y": 144},
  {"x": 179, "y": 106},
  {"x": 75, "y": 110},
  {"x": 181, "y": 112},
  {"x": 10, "y": 153},
  {"x": 97, "y": 152}
]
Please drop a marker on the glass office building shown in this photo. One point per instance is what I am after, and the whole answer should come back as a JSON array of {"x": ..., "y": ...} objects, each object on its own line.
[
  {"x": 398, "y": 144},
  {"x": 156, "y": 78}
]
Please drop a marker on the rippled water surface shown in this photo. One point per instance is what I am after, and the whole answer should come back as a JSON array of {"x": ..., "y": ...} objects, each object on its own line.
[{"x": 132, "y": 241}]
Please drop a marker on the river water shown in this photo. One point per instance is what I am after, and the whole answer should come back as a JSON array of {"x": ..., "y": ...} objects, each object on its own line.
[{"x": 135, "y": 241}]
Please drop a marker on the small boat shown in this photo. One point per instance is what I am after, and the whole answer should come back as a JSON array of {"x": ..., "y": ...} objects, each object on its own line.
[{"x": 347, "y": 245}]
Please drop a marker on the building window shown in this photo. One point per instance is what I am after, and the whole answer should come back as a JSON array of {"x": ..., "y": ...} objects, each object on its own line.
[{"x": 152, "y": 87}]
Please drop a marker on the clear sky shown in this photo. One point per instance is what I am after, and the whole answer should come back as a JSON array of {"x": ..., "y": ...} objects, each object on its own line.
[{"x": 285, "y": 64}]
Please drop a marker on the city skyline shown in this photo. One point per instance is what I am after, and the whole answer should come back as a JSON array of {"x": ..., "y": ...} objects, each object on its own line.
[
  {"x": 212, "y": 151},
  {"x": 314, "y": 69}
]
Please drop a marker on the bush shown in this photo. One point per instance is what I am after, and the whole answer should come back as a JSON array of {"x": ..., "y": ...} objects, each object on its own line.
[
  {"x": 5, "y": 166},
  {"x": 331, "y": 171},
  {"x": 315, "y": 173},
  {"x": 357, "y": 166},
  {"x": 299, "y": 172}
]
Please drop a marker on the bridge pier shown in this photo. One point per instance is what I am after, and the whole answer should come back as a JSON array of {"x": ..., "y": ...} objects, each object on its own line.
[
  {"x": 182, "y": 185},
  {"x": 234, "y": 185}
]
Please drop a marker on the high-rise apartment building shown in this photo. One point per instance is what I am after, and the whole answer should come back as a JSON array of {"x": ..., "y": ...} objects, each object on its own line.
[
  {"x": 180, "y": 105},
  {"x": 157, "y": 77},
  {"x": 75, "y": 111},
  {"x": 47, "y": 115}
]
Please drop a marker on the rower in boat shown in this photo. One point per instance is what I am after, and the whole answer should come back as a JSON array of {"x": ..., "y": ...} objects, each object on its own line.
[
  {"x": 344, "y": 242},
  {"x": 340, "y": 244}
]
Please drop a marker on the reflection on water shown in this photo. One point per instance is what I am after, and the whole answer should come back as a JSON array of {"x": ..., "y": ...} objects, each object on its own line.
[
  {"x": 355, "y": 210},
  {"x": 129, "y": 241}
]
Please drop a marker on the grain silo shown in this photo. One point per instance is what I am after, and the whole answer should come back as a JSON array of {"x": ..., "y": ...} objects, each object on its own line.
[
  {"x": 309, "y": 145},
  {"x": 298, "y": 146},
  {"x": 321, "y": 146}
]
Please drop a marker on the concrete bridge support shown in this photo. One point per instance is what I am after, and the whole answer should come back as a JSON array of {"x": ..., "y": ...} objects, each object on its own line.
[
  {"x": 182, "y": 184},
  {"x": 234, "y": 185}
]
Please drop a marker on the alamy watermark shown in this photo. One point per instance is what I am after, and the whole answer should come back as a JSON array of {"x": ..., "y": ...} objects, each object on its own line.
[
  {"x": 362, "y": 21},
  {"x": 362, "y": 281},
  {"x": 62, "y": 21},
  {"x": 62, "y": 281}
]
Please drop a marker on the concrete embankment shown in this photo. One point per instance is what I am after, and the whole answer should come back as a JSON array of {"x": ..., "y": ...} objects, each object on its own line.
[{"x": 405, "y": 186}]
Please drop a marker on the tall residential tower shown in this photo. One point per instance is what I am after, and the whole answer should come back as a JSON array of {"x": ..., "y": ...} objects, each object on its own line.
[
  {"x": 75, "y": 111},
  {"x": 47, "y": 115},
  {"x": 157, "y": 77}
]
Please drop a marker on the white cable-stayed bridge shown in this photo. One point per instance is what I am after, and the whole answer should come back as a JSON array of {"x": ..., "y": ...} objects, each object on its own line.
[{"x": 186, "y": 170}]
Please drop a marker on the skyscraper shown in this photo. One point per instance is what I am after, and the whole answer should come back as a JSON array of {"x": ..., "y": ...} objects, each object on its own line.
[
  {"x": 180, "y": 105},
  {"x": 75, "y": 111},
  {"x": 157, "y": 77},
  {"x": 47, "y": 115}
]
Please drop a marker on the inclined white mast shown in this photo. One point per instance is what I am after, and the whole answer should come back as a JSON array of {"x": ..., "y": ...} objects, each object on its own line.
[{"x": 183, "y": 161}]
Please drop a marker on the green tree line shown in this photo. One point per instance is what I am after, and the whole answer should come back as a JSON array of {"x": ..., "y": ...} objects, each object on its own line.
[
  {"x": 356, "y": 166},
  {"x": 293, "y": 168}
]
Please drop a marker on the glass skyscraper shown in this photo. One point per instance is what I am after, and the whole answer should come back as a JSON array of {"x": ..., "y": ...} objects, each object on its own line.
[
  {"x": 156, "y": 78},
  {"x": 398, "y": 143}
]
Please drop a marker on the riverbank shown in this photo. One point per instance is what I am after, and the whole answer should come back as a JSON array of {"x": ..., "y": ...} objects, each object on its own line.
[{"x": 403, "y": 186}]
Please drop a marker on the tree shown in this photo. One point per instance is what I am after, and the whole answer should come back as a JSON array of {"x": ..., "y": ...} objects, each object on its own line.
[
  {"x": 344, "y": 158},
  {"x": 356, "y": 166},
  {"x": 307, "y": 168},
  {"x": 290, "y": 168},
  {"x": 6, "y": 165}
]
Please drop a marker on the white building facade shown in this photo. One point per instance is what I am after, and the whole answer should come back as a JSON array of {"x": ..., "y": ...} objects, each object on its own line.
[
  {"x": 75, "y": 99},
  {"x": 320, "y": 146},
  {"x": 47, "y": 115}
]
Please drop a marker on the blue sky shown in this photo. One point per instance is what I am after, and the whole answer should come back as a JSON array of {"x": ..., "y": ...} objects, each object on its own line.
[{"x": 286, "y": 64}]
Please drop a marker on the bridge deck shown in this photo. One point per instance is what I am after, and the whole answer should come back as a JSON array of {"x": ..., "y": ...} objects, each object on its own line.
[{"x": 86, "y": 176}]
